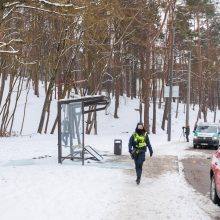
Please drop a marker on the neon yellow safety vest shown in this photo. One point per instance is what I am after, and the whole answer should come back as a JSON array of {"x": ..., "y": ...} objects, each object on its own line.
[{"x": 140, "y": 139}]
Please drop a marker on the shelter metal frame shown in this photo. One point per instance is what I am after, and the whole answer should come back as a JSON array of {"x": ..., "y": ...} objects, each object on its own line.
[{"x": 74, "y": 120}]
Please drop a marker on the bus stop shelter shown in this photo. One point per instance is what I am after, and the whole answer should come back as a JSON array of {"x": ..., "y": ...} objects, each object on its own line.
[{"x": 71, "y": 135}]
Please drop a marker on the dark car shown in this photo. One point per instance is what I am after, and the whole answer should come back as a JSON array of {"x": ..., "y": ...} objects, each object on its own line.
[{"x": 215, "y": 178}]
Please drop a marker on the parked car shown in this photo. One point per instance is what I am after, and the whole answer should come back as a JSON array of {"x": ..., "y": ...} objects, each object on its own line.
[
  {"x": 207, "y": 134},
  {"x": 215, "y": 178}
]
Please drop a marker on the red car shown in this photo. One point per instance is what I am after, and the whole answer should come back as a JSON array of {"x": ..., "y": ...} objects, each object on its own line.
[{"x": 215, "y": 178}]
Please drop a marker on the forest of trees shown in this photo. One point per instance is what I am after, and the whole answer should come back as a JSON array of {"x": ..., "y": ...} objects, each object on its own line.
[{"x": 120, "y": 47}]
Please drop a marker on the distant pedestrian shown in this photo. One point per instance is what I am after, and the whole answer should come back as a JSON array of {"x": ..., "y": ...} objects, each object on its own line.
[
  {"x": 138, "y": 143},
  {"x": 186, "y": 131}
]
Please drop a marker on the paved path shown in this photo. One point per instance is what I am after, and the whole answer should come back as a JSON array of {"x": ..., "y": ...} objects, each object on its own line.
[{"x": 168, "y": 189}]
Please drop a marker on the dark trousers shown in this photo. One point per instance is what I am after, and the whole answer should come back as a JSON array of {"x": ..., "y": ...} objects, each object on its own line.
[
  {"x": 139, "y": 160},
  {"x": 187, "y": 137}
]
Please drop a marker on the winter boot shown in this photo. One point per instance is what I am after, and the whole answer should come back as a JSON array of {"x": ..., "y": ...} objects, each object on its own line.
[{"x": 138, "y": 180}]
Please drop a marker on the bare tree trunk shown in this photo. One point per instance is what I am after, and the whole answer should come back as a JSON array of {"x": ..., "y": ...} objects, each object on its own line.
[
  {"x": 127, "y": 79},
  {"x": 154, "y": 93},
  {"x": 147, "y": 92},
  {"x": 177, "y": 107},
  {"x": 3, "y": 78},
  {"x": 48, "y": 115},
  {"x": 117, "y": 90},
  {"x": 95, "y": 123},
  {"x": 36, "y": 82},
  {"x": 11, "y": 119},
  {"x": 134, "y": 81},
  {"x": 89, "y": 121},
  {"x": 6, "y": 107},
  {"x": 165, "y": 114},
  {"x": 59, "y": 50},
  {"x": 46, "y": 102},
  {"x": 198, "y": 116},
  {"x": 25, "y": 106}
]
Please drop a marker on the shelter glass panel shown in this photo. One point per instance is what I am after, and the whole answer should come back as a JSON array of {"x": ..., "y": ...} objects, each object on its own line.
[{"x": 71, "y": 127}]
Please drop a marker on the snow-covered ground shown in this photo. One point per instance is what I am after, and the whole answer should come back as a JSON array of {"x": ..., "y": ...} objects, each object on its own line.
[{"x": 42, "y": 189}]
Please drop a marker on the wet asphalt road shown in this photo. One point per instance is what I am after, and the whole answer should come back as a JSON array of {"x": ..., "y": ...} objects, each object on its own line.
[{"x": 197, "y": 170}]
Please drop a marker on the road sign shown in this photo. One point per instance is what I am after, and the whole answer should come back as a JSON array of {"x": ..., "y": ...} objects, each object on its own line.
[{"x": 175, "y": 91}]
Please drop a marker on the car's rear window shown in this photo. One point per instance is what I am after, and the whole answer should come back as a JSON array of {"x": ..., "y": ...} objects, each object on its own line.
[{"x": 207, "y": 129}]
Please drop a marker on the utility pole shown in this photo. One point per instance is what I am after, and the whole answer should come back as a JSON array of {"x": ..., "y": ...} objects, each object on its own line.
[
  {"x": 171, "y": 86},
  {"x": 187, "y": 128},
  {"x": 188, "y": 90}
]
